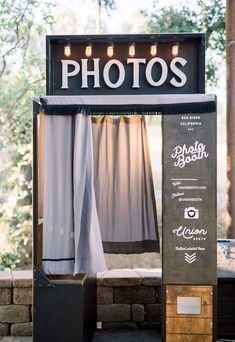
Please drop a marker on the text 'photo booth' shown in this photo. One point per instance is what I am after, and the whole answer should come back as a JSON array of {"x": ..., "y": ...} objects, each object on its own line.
[{"x": 93, "y": 181}]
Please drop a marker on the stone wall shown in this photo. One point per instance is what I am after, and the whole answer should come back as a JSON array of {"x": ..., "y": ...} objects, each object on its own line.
[
  {"x": 16, "y": 303},
  {"x": 129, "y": 299},
  {"x": 125, "y": 298}
]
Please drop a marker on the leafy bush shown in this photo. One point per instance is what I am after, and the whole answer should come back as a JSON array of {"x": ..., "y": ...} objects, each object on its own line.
[
  {"x": 22, "y": 76},
  {"x": 9, "y": 261}
]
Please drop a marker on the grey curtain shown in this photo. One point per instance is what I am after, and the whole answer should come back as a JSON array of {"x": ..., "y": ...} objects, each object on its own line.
[
  {"x": 124, "y": 185},
  {"x": 58, "y": 225},
  {"x": 98, "y": 192},
  {"x": 71, "y": 235}
]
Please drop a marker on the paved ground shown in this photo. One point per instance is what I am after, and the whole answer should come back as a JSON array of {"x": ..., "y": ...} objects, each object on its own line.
[
  {"x": 108, "y": 336},
  {"x": 111, "y": 336},
  {"x": 16, "y": 339},
  {"x": 127, "y": 336}
]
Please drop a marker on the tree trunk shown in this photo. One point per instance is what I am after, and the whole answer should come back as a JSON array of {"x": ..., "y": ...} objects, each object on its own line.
[
  {"x": 98, "y": 16},
  {"x": 230, "y": 62}
]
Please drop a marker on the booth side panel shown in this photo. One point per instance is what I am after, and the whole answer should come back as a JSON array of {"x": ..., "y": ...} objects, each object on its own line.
[
  {"x": 65, "y": 310},
  {"x": 189, "y": 227},
  {"x": 90, "y": 306},
  {"x": 35, "y": 184},
  {"x": 189, "y": 199},
  {"x": 58, "y": 313}
]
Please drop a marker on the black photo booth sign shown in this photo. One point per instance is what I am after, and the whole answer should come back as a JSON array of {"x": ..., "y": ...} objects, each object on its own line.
[{"x": 93, "y": 72}]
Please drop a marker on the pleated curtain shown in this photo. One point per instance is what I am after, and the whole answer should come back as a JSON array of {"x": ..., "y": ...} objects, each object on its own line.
[
  {"x": 98, "y": 192},
  {"x": 71, "y": 235},
  {"x": 124, "y": 185}
]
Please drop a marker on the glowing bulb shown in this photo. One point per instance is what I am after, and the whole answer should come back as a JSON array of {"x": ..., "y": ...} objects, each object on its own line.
[
  {"x": 132, "y": 50},
  {"x": 110, "y": 50},
  {"x": 175, "y": 49},
  {"x": 67, "y": 50},
  {"x": 153, "y": 49},
  {"x": 88, "y": 51}
]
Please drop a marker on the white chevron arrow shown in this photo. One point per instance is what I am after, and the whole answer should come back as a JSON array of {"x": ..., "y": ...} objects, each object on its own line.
[{"x": 190, "y": 258}]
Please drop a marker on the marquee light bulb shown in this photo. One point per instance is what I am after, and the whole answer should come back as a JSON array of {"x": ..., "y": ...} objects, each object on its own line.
[
  {"x": 67, "y": 50},
  {"x": 153, "y": 49},
  {"x": 132, "y": 50},
  {"x": 175, "y": 49},
  {"x": 88, "y": 51},
  {"x": 110, "y": 50}
]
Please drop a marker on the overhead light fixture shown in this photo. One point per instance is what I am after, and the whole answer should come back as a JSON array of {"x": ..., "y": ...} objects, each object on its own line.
[
  {"x": 153, "y": 49},
  {"x": 88, "y": 50},
  {"x": 67, "y": 50},
  {"x": 132, "y": 50},
  {"x": 175, "y": 49},
  {"x": 110, "y": 49}
]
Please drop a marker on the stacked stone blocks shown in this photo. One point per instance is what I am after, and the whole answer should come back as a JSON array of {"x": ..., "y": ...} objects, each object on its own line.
[
  {"x": 131, "y": 303},
  {"x": 16, "y": 303}
]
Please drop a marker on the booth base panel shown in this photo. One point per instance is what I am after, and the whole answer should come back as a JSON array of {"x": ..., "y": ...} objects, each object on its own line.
[
  {"x": 186, "y": 321},
  {"x": 65, "y": 312},
  {"x": 187, "y": 338}
]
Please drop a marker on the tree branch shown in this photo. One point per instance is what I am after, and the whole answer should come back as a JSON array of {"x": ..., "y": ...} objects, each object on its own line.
[{"x": 13, "y": 105}]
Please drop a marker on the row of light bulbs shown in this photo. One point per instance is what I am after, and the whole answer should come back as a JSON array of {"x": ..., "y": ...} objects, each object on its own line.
[{"x": 110, "y": 49}]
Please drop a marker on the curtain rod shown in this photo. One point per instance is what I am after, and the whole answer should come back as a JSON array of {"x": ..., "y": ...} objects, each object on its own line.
[{"x": 127, "y": 109}]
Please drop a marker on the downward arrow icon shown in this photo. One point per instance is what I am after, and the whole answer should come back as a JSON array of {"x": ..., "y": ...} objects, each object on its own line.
[{"x": 190, "y": 258}]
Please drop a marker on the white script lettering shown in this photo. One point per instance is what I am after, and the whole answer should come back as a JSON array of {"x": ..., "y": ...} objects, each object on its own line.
[
  {"x": 185, "y": 155},
  {"x": 189, "y": 233}
]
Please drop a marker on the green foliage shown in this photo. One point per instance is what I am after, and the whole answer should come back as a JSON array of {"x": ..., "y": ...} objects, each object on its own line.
[
  {"x": 18, "y": 53},
  {"x": 9, "y": 261},
  {"x": 171, "y": 20},
  {"x": 206, "y": 16},
  {"x": 17, "y": 21}
]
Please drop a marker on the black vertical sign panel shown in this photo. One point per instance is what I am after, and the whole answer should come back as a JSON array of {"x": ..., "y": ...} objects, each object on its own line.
[{"x": 189, "y": 199}]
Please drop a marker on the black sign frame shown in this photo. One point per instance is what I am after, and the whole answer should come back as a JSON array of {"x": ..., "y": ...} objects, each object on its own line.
[{"x": 194, "y": 40}]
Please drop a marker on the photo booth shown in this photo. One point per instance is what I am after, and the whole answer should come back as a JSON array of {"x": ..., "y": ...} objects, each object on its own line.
[{"x": 93, "y": 184}]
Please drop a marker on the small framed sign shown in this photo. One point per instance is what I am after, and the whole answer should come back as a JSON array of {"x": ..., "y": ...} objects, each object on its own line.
[{"x": 189, "y": 305}]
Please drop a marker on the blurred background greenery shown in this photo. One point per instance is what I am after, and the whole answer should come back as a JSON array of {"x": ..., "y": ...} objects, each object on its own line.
[{"x": 23, "y": 26}]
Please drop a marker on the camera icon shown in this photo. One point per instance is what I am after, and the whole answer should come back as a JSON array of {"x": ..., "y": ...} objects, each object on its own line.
[{"x": 191, "y": 213}]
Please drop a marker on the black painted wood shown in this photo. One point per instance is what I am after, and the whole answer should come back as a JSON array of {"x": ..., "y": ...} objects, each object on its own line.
[
  {"x": 226, "y": 308},
  {"x": 65, "y": 312},
  {"x": 189, "y": 199},
  {"x": 192, "y": 47}
]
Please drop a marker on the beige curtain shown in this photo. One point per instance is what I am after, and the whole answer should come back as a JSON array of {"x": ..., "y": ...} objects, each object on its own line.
[{"x": 123, "y": 185}]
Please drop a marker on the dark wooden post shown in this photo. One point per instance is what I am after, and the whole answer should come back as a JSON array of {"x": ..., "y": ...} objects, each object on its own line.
[{"x": 230, "y": 49}]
